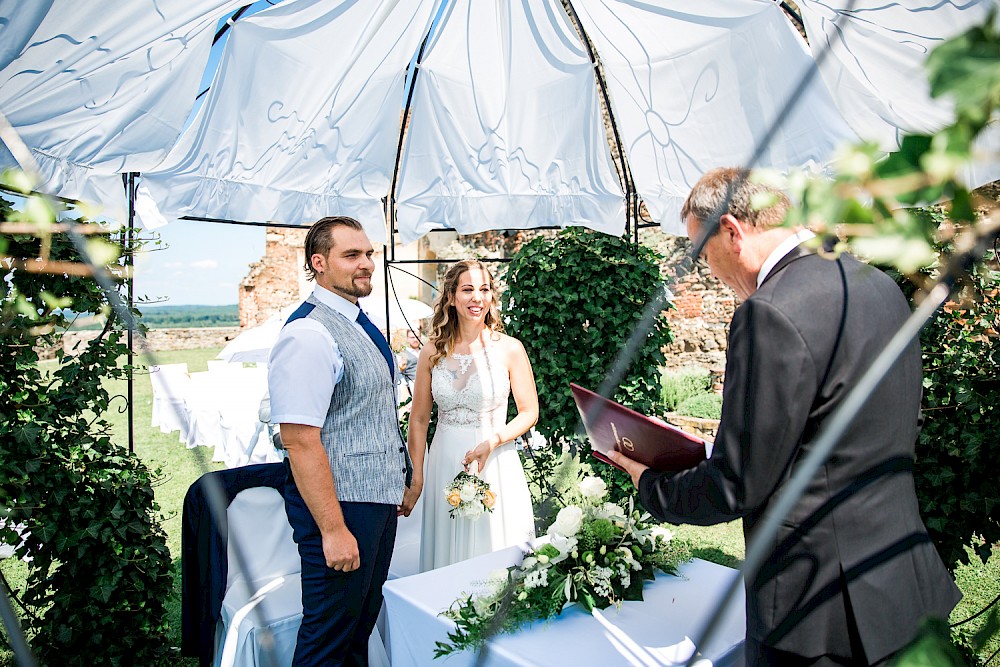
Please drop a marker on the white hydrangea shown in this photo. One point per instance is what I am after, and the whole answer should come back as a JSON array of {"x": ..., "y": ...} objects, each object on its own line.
[
  {"x": 537, "y": 578},
  {"x": 528, "y": 563},
  {"x": 472, "y": 510},
  {"x": 600, "y": 577}
]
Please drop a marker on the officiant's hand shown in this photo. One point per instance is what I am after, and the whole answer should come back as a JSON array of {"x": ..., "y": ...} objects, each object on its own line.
[
  {"x": 633, "y": 468},
  {"x": 341, "y": 550},
  {"x": 410, "y": 496}
]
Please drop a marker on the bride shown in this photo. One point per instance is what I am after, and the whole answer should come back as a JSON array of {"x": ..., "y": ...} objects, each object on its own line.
[{"x": 469, "y": 368}]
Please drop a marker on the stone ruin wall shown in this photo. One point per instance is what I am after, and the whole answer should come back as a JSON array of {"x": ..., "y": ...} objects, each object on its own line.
[
  {"x": 700, "y": 321},
  {"x": 276, "y": 280}
]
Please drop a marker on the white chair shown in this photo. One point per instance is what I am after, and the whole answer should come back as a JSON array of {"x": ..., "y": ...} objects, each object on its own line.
[
  {"x": 262, "y": 607},
  {"x": 170, "y": 390}
]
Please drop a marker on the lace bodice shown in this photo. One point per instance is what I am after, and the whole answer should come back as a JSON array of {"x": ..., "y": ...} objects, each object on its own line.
[{"x": 471, "y": 390}]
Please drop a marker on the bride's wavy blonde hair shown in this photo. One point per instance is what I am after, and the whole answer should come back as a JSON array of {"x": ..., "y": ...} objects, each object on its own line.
[{"x": 444, "y": 322}]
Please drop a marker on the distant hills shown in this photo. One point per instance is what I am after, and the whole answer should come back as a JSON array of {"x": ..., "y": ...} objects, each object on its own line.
[{"x": 174, "y": 317}]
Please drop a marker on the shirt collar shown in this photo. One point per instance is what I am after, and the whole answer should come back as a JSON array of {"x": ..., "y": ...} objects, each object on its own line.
[
  {"x": 337, "y": 302},
  {"x": 783, "y": 249}
]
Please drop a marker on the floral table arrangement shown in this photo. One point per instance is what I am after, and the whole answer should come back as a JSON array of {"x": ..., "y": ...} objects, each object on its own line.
[{"x": 598, "y": 554}]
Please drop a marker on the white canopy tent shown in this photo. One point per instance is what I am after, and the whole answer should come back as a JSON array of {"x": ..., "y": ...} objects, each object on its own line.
[{"x": 505, "y": 130}]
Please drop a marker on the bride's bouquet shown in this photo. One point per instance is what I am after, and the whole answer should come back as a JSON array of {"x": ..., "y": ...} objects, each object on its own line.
[{"x": 469, "y": 496}]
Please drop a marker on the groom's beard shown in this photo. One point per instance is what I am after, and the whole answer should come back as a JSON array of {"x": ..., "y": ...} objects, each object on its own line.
[{"x": 353, "y": 287}]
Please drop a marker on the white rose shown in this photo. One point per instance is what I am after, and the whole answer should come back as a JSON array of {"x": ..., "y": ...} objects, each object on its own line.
[
  {"x": 593, "y": 488},
  {"x": 468, "y": 491},
  {"x": 474, "y": 510},
  {"x": 567, "y": 522}
]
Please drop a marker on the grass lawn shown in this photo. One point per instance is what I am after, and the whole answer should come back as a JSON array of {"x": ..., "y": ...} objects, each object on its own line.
[{"x": 721, "y": 544}]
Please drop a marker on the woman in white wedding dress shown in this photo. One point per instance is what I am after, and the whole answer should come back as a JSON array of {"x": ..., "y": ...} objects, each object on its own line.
[{"x": 469, "y": 368}]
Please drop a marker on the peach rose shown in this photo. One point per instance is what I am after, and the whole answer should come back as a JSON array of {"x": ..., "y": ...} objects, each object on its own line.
[
  {"x": 490, "y": 500},
  {"x": 454, "y": 498}
]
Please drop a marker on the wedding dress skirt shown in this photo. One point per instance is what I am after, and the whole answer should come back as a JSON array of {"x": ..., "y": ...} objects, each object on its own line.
[{"x": 472, "y": 392}]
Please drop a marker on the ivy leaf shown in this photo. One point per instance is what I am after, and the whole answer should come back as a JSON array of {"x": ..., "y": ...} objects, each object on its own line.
[{"x": 967, "y": 69}]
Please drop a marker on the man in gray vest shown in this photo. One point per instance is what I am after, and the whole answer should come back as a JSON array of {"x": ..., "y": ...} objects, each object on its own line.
[{"x": 332, "y": 387}]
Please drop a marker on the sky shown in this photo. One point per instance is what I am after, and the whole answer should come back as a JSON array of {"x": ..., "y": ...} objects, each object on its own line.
[
  {"x": 197, "y": 263},
  {"x": 200, "y": 263}
]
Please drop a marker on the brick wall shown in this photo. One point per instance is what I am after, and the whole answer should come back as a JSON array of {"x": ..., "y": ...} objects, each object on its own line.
[{"x": 704, "y": 306}]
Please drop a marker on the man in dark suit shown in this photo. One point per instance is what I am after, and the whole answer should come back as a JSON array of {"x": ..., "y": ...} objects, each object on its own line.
[{"x": 852, "y": 572}]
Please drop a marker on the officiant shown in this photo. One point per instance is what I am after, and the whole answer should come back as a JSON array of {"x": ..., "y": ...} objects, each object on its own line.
[{"x": 853, "y": 571}]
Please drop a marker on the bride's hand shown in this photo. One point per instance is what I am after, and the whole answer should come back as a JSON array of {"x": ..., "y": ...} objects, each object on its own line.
[{"x": 481, "y": 452}]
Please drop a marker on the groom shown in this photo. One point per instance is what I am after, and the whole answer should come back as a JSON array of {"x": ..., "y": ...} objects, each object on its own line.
[{"x": 332, "y": 388}]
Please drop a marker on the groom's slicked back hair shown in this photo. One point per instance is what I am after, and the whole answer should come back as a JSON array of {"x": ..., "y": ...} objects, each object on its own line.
[
  {"x": 732, "y": 190},
  {"x": 319, "y": 239}
]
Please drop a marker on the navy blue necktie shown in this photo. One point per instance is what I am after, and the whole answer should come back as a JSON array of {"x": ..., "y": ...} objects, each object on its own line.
[{"x": 377, "y": 338}]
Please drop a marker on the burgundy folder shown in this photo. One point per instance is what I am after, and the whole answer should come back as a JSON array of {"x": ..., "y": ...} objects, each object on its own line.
[{"x": 652, "y": 442}]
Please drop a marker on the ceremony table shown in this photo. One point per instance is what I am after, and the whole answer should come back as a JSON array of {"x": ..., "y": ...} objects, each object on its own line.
[{"x": 655, "y": 631}]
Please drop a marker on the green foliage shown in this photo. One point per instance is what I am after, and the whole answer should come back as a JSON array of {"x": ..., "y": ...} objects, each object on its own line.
[
  {"x": 99, "y": 571},
  {"x": 932, "y": 647},
  {"x": 702, "y": 406},
  {"x": 677, "y": 387},
  {"x": 573, "y": 300},
  {"x": 955, "y": 477}
]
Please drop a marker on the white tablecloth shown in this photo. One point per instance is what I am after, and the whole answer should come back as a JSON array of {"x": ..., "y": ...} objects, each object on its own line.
[{"x": 656, "y": 631}]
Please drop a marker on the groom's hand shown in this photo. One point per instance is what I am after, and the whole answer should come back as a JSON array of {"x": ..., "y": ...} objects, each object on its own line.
[
  {"x": 341, "y": 550},
  {"x": 410, "y": 496}
]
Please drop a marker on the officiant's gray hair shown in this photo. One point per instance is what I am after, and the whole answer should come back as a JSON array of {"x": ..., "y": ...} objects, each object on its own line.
[
  {"x": 319, "y": 239},
  {"x": 733, "y": 190}
]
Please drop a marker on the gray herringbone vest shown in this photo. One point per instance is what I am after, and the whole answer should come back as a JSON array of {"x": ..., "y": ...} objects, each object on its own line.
[{"x": 361, "y": 433}]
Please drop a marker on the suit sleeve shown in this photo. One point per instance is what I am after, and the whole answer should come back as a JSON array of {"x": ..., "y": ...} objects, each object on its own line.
[{"x": 770, "y": 386}]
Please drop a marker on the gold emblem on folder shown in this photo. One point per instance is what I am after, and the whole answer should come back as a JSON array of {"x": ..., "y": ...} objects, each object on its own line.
[{"x": 623, "y": 443}]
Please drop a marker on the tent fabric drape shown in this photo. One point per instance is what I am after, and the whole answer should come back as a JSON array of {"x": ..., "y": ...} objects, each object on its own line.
[
  {"x": 697, "y": 86},
  {"x": 98, "y": 93},
  {"x": 875, "y": 68},
  {"x": 506, "y": 129},
  {"x": 302, "y": 119}
]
